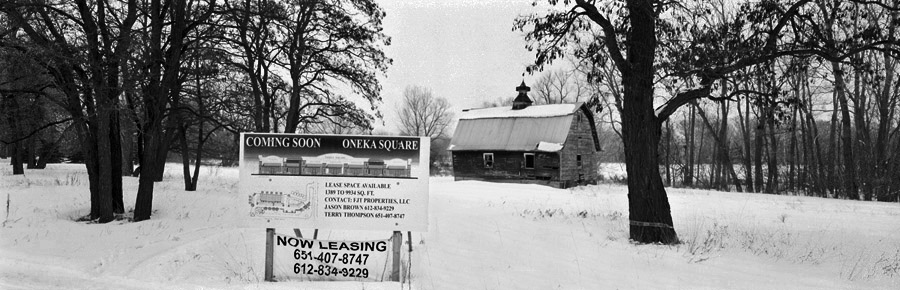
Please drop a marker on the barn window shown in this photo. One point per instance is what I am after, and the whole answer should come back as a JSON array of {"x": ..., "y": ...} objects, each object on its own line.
[
  {"x": 529, "y": 160},
  {"x": 488, "y": 160},
  {"x": 578, "y": 160}
]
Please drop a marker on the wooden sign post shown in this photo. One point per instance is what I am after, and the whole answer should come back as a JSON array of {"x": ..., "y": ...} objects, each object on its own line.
[
  {"x": 270, "y": 254},
  {"x": 397, "y": 241}
]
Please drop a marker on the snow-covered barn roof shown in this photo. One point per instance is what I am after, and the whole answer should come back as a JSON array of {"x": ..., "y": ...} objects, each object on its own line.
[
  {"x": 535, "y": 128},
  {"x": 538, "y": 111}
]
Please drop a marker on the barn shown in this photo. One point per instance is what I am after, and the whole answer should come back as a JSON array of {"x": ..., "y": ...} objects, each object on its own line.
[{"x": 555, "y": 144}]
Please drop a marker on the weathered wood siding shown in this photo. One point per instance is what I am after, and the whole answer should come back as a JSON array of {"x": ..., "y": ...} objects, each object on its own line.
[
  {"x": 579, "y": 141},
  {"x": 507, "y": 165}
]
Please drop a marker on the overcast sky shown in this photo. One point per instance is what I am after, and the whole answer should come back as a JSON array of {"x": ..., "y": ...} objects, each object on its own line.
[{"x": 464, "y": 51}]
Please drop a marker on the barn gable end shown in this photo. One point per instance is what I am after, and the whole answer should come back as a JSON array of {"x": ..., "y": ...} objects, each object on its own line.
[{"x": 579, "y": 158}]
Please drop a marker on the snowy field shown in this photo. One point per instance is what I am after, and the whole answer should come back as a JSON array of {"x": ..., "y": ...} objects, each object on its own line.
[{"x": 481, "y": 236}]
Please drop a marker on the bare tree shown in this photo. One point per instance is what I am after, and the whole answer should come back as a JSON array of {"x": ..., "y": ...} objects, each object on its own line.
[
  {"x": 326, "y": 43},
  {"x": 561, "y": 86},
  {"x": 423, "y": 114},
  {"x": 249, "y": 32},
  {"x": 170, "y": 36}
]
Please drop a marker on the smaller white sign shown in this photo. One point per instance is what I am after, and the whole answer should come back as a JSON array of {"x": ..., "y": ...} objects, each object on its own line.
[{"x": 323, "y": 260}]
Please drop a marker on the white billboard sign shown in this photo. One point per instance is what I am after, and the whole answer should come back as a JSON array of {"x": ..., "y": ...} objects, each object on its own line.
[{"x": 337, "y": 182}]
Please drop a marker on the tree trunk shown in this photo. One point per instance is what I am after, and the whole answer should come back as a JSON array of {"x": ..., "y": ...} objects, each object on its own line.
[
  {"x": 689, "y": 164},
  {"x": 11, "y": 109},
  {"x": 163, "y": 85},
  {"x": 258, "y": 120},
  {"x": 31, "y": 153},
  {"x": 833, "y": 150},
  {"x": 648, "y": 206},
  {"x": 115, "y": 142},
  {"x": 153, "y": 144},
  {"x": 862, "y": 153},
  {"x": 101, "y": 132},
  {"x": 293, "y": 114},
  {"x": 649, "y": 210},
  {"x": 198, "y": 155},
  {"x": 104, "y": 148},
  {"x": 758, "y": 149},
  {"x": 90, "y": 162},
  {"x": 201, "y": 139},
  {"x": 127, "y": 145},
  {"x": 139, "y": 153},
  {"x": 792, "y": 155},
  {"x": 722, "y": 145},
  {"x": 772, "y": 166},
  {"x": 885, "y": 113},
  {"x": 745, "y": 129},
  {"x": 97, "y": 164},
  {"x": 104, "y": 161},
  {"x": 818, "y": 170},
  {"x": 698, "y": 162},
  {"x": 133, "y": 136},
  {"x": 185, "y": 158},
  {"x": 668, "y": 153},
  {"x": 16, "y": 159},
  {"x": 724, "y": 148},
  {"x": 807, "y": 166},
  {"x": 162, "y": 151},
  {"x": 895, "y": 170},
  {"x": 143, "y": 206},
  {"x": 850, "y": 179},
  {"x": 154, "y": 104}
]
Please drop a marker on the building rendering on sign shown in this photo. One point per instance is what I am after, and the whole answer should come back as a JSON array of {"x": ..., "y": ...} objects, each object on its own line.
[
  {"x": 556, "y": 144},
  {"x": 333, "y": 164},
  {"x": 295, "y": 203}
]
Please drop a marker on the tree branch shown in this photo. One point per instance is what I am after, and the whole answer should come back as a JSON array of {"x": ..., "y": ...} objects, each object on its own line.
[
  {"x": 667, "y": 109},
  {"x": 35, "y": 131},
  {"x": 611, "y": 42}
]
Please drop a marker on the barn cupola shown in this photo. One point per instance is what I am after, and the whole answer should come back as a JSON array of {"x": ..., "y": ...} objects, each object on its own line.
[{"x": 522, "y": 101}]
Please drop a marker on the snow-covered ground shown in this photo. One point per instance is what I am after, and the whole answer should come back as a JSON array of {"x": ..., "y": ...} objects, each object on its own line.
[{"x": 481, "y": 236}]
